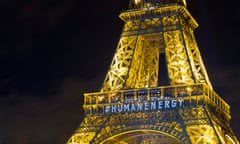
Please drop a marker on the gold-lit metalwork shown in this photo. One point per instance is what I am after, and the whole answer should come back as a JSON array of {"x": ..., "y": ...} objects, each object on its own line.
[{"x": 133, "y": 107}]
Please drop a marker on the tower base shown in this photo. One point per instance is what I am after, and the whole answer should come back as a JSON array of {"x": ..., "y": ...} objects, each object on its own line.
[{"x": 187, "y": 114}]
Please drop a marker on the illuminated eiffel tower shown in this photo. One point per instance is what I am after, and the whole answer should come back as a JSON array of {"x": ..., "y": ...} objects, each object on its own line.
[{"x": 157, "y": 90}]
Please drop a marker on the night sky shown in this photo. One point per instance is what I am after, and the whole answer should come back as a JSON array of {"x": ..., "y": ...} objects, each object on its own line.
[{"x": 53, "y": 51}]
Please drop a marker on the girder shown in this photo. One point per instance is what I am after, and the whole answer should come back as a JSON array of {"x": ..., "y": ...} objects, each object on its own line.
[
  {"x": 133, "y": 108},
  {"x": 145, "y": 35}
]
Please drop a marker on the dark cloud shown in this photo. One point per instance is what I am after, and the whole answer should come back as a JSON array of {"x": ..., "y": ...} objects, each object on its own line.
[{"x": 33, "y": 120}]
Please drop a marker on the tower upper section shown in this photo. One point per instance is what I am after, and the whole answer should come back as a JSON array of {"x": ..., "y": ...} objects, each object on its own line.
[
  {"x": 138, "y": 4},
  {"x": 157, "y": 42}
]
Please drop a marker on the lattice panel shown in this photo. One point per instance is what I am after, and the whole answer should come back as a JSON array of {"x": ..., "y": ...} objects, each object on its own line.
[
  {"x": 142, "y": 117},
  {"x": 199, "y": 71},
  {"x": 144, "y": 67},
  {"x": 193, "y": 113},
  {"x": 202, "y": 134},
  {"x": 226, "y": 137},
  {"x": 179, "y": 69},
  {"x": 148, "y": 23},
  {"x": 170, "y": 20},
  {"x": 81, "y": 138},
  {"x": 119, "y": 68},
  {"x": 93, "y": 120},
  {"x": 131, "y": 25}
]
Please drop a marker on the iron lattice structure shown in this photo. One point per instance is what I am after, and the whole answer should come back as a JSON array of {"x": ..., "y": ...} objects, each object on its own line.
[{"x": 133, "y": 107}]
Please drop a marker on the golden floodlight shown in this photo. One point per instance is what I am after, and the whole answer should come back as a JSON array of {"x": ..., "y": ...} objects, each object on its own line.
[
  {"x": 137, "y": 1},
  {"x": 184, "y": 2}
]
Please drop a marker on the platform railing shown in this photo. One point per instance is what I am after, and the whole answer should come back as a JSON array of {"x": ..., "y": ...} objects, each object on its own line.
[{"x": 191, "y": 95}]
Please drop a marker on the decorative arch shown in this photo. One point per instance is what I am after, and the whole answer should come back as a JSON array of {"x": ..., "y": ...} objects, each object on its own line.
[{"x": 141, "y": 134}]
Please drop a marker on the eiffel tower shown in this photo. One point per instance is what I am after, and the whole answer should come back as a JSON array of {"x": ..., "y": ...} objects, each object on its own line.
[{"x": 157, "y": 90}]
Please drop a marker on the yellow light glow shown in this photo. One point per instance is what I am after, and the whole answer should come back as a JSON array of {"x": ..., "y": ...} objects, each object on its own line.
[
  {"x": 189, "y": 89},
  {"x": 137, "y": 1},
  {"x": 229, "y": 138},
  {"x": 184, "y": 2},
  {"x": 100, "y": 98}
]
